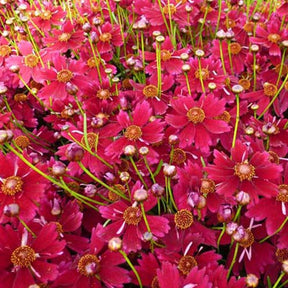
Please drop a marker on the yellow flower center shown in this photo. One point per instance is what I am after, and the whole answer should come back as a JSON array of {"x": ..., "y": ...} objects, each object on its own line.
[
  {"x": 105, "y": 37},
  {"x": 170, "y": 7},
  {"x": 133, "y": 132},
  {"x": 23, "y": 256},
  {"x": 235, "y": 48},
  {"x": 64, "y": 76},
  {"x": 12, "y": 185},
  {"x": 244, "y": 171},
  {"x": 270, "y": 89},
  {"x": 88, "y": 265},
  {"x": 203, "y": 72},
  {"x": 150, "y": 91},
  {"x": 46, "y": 15},
  {"x": 283, "y": 193},
  {"x": 22, "y": 141},
  {"x": 132, "y": 215},
  {"x": 92, "y": 139},
  {"x": 186, "y": 263},
  {"x": 196, "y": 115},
  {"x": 165, "y": 55},
  {"x": 183, "y": 219},
  {"x": 31, "y": 60},
  {"x": 178, "y": 156},
  {"x": 93, "y": 62},
  {"x": 4, "y": 50},
  {"x": 103, "y": 94},
  {"x": 274, "y": 38},
  {"x": 64, "y": 37}
]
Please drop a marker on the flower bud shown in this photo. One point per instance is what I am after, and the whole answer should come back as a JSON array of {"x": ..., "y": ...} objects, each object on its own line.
[
  {"x": 58, "y": 169},
  {"x": 173, "y": 139},
  {"x": 124, "y": 176},
  {"x": 14, "y": 68},
  {"x": 243, "y": 198},
  {"x": 148, "y": 236},
  {"x": 5, "y": 136},
  {"x": 237, "y": 89},
  {"x": 140, "y": 195},
  {"x": 252, "y": 280},
  {"x": 74, "y": 152},
  {"x": 231, "y": 228},
  {"x": 11, "y": 210},
  {"x": 225, "y": 213},
  {"x": 115, "y": 244},
  {"x": 169, "y": 170},
  {"x": 144, "y": 150},
  {"x": 86, "y": 27},
  {"x": 285, "y": 266},
  {"x": 90, "y": 190},
  {"x": 130, "y": 150},
  {"x": 157, "y": 190}
]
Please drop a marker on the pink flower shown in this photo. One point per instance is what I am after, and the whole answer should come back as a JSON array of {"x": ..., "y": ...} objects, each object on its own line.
[
  {"x": 25, "y": 259},
  {"x": 197, "y": 120},
  {"x": 245, "y": 171},
  {"x": 21, "y": 188}
]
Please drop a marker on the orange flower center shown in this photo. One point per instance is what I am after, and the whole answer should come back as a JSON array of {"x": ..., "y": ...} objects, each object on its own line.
[
  {"x": 20, "y": 97},
  {"x": 105, "y": 37},
  {"x": 196, "y": 115},
  {"x": 113, "y": 196},
  {"x": 245, "y": 83},
  {"x": 4, "y": 50},
  {"x": 270, "y": 89},
  {"x": 103, "y": 94},
  {"x": 274, "y": 38},
  {"x": 12, "y": 185},
  {"x": 64, "y": 76},
  {"x": 93, "y": 62},
  {"x": 88, "y": 265},
  {"x": 132, "y": 215},
  {"x": 150, "y": 91},
  {"x": 23, "y": 256},
  {"x": 170, "y": 8},
  {"x": 31, "y": 60},
  {"x": 282, "y": 254},
  {"x": 225, "y": 116},
  {"x": 283, "y": 193},
  {"x": 248, "y": 240},
  {"x": 183, "y": 219},
  {"x": 203, "y": 72},
  {"x": 207, "y": 186},
  {"x": 46, "y": 15},
  {"x": 186, "y": 263},
  {"x": 64, "y": 37},
  {"x": 22, "y": 141},
  {"x": 165, "y": 55},
  {"x": 235, "y": 48},
  {"x": 178, "y": 156},
  {"x": 133, "y": 132},
  {"x": 244, "y": 171},
  {"x": 92, "y": 139}
]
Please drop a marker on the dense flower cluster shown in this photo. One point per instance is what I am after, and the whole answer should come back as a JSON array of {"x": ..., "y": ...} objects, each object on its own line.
[{"x": 143, "y": 143}]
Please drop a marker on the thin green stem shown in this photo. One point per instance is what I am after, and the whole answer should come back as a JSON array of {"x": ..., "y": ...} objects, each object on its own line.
[
  {"x": 236, "y": 120},
  {"x": 279, "y": 279},
  {"x": 138, "y": 172},
  {"x": 132, "y": 267},
  {"x": 145, "y": 218},
  {"x": 233, "y": 260}
]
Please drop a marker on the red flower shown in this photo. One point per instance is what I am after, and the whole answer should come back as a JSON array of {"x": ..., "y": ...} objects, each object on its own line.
[
  {"x": 95, "y": 268},
  {"x": 127, "y": 220},
  {"x": 197, "y": 121},
  {"x": 64, "y": 39},
  {"x": 272, "y": 36},
  {"x": 20, "y": 187},
  {"x": 245, "y": 171},
  {"x": 24, "y": 258},
  {"x": 62, "y": 72},
  {"x": 138, "y": 131}
]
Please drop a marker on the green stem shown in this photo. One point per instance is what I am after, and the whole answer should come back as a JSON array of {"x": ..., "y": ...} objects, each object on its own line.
[
  {"x": 100, "y": 181},
  {"x": 279, "y": 279},
  {"x": 148, "y": 167},
  {"x": 26, "y": 227},
  {"x": 221, "y": 235},
  {"x": 233, "y": 260},
  {"x": 138, "y": 172},
  {"x": 281, "y": 67},
  {"x": 145, "y": 218},
  {"x": 222, "y": 56},
  {"x": 277, "y": 231},
  {"x": 132, "y": 267},
  {"x": 236, "y": 120}
]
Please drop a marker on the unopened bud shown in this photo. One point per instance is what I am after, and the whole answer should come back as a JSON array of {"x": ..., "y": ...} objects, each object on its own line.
[
  {"x": 130, "y": 150},
  {"x": 74, "y": 152},
  {"x": 115, "y": 244},
  {"x": 140, "y": 195},
  {"x": 144, "y": 150},
  {"x": 90, "y": 190},
  {"x": 169, "y": 170},
  {"x": 58, "y": 169},
  {"x": 157, "y": 190},
  {"x": 11, "y": 210}
]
